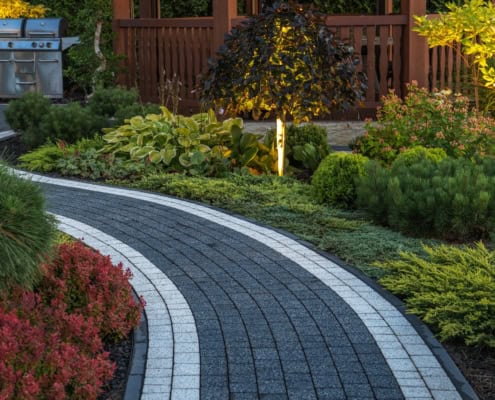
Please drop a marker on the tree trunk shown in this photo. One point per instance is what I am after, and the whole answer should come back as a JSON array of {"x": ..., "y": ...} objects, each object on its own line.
[
  {"x": 281, "y": 145},
  {"x": 103, "y": 61}
]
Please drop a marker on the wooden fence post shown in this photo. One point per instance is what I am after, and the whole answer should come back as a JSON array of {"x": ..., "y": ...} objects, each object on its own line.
[
  {"x": 122, "y": 9},
  {"x": 414, "y": 47},
  {"x": 223, "y": 12},
  {"x": 149, "y": 9}
]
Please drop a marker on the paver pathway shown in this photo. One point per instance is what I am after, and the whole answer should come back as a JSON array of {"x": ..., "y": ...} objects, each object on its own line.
[{"x": 239, "y": 311}]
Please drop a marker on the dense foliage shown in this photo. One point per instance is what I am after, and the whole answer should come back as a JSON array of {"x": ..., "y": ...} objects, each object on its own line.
[
  {"x": 437, "y": 119},
  {"x": 334, "y": 182},
  {"x": 39, "y": 121},
  {"x": 91, "y": 286},
  {"x": 48, "y": 353},
  {"x": 24, "y": 115},
  {"x": 452, "y": 199},
  {"x": 20, "y": 9},
  {"x": 283, "y": 62},
  {"x": 51, "y": 338},
  {"x": 470, "y": 25},
  {"x": 306, "y": 145},
  {"x": 452, "y": 289},
  {"x": 26, "y": 231},
  {"x": 81, "y": 61}
]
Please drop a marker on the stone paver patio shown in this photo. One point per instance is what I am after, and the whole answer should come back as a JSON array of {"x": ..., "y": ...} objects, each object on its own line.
[{"x": 240, "y": 311}]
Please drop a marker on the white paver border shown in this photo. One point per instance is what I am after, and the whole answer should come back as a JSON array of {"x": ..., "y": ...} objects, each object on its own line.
[
  {"x": 165, "y": 377},
  {"x": 393, "y": 330}
]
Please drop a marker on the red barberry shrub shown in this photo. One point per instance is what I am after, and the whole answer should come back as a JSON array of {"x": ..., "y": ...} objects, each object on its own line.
[
  {"x": 90, "y": 285},
  {"x": 47, "y": 353}
]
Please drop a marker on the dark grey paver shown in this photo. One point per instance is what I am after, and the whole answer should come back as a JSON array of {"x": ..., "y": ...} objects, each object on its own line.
[{"x": 255, "y": 310}]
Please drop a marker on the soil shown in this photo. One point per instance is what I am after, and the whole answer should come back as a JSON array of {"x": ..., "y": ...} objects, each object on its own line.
[
  {"x": 120, "y": 353},
  {"x": 478, "y": 366}
]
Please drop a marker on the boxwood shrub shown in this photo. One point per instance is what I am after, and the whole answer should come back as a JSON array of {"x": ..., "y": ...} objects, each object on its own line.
[{"x": 334, "y": 182}]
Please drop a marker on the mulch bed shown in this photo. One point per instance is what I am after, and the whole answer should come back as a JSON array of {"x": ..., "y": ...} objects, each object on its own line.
[
  {"x": 120, "y": 353},
  {"x": 478, "y": 366}
]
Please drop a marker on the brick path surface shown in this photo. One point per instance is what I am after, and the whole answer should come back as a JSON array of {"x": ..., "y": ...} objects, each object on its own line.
[{"x": 251, "y": 313}]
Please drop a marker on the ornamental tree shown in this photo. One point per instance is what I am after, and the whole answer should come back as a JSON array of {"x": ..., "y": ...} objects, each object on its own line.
[
  {"x": 471, "y": 26},
  {"x": 284, "y": 62}
]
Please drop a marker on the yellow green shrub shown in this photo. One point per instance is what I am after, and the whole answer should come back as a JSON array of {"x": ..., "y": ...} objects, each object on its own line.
[
  {"x": 452, "y": 289},
  {"x": 19, "y": 8}
]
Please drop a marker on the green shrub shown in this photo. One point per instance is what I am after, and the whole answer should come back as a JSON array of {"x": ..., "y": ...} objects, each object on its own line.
[
  {"x": 69, "y": 123},
  {"x": 26, "y": 231},
  {"x": 107, "y": 102},
  {"x": 306, "y": 145},
  {"x": 334, "y": 180},
  {"x": 24, "y": 115},
  {"x": 417, "y": 154},
  {"x": 428, "y": 119},
  {"x": 43, "y": 159},
  {"x": 453, "y": 199},
  {"x": 452, "y": 289}
]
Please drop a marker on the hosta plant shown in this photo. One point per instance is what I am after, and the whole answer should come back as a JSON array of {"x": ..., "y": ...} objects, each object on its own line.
[{"x": 178, "y": 143}]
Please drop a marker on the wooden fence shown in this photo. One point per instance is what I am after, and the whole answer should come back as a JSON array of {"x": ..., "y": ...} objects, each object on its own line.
[{"x": 390, "y": 53}]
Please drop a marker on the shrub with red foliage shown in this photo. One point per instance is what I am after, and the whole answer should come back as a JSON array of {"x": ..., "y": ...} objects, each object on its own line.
[
  {"x": 47, "y": 353},
  {"x": 90, "y": 285}
]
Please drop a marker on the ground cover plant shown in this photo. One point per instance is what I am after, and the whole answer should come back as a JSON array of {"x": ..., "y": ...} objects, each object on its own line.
[{"x": 452, "y": 289}]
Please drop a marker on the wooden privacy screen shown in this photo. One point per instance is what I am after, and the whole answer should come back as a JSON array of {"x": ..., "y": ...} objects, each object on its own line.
[
  {"x": 156, "y": 49},
  {"x": 377, "y": 42}
]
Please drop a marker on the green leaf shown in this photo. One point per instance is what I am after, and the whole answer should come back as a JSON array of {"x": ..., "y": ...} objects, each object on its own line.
[
  {"x": 155, "y": 156},
  {"x": 168, "y": 154}
]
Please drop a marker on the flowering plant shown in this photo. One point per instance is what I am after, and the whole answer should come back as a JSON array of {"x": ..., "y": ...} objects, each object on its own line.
[{"x": 438, "y": 119}]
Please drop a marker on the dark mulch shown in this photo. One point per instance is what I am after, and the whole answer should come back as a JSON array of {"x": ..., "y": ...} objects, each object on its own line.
[
  {"x": 11, "y": 149},
  {"x": 120, "y": 353},
  {"x": 478, "y": 366}
]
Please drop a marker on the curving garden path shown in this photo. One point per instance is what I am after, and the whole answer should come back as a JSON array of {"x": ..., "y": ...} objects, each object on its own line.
[{"x": 240, "y": 311}]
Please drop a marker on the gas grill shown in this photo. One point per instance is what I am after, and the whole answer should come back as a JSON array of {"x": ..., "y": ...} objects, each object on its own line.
[{"x": 31, "y": 56}]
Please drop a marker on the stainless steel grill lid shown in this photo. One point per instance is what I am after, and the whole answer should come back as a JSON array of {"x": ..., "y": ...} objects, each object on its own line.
[
  {"x": 45, "y": 28},
  {"x": 11, "y": 28}
]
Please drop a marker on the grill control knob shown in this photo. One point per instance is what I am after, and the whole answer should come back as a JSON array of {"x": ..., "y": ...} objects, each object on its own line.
[
  {"x": 34, "y": 44},
  {"x": 10, "y": 44},
  {"x": 49, "y": 45},
  {"x": 42, "y": 45}
]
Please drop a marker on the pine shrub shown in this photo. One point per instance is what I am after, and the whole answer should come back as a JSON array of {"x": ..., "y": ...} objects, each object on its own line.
[
  {"x": 26, "y": 231},
  {"x": 453, "y": 199},
  {"x": 334, "y": 180},
  {"x": 24, "y": 115},
  {"x": 452, "y": 289},
  {"x": 107, "y": 102},
  {"x": 69, "y": 123}
]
